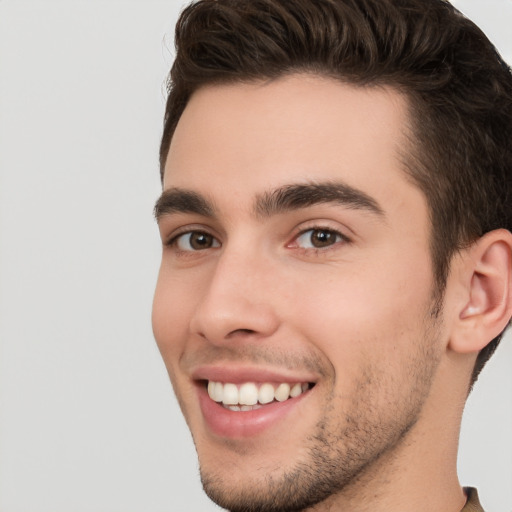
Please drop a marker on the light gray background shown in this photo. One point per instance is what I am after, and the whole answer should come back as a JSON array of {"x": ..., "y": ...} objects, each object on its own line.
[{"x": 88, "y": 422}]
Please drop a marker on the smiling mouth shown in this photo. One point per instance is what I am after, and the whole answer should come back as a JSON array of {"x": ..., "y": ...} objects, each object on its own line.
[{"x": 250, "y": 396}]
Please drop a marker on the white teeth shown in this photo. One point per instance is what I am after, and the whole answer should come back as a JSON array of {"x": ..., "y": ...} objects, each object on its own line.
[
  {"x": 282, "y": 392},
  {"x": 296, "y": 390},
  {"x": 219, "y": 391},
  {"x": 266, "y": 394},
  {"x": 237, "y": 408},
  {"x": 249, "y": 407},
  {"x": 248, "y": 396},
  {"x": 230, "y": 396},
  {"x": 215, "y": 390}
]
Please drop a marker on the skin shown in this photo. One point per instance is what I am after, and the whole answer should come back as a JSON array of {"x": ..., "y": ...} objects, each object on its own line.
[{"x": 354, "y": 317}]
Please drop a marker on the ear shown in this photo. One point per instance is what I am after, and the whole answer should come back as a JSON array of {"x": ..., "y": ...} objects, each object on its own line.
[{"x": 485, "y": 307}]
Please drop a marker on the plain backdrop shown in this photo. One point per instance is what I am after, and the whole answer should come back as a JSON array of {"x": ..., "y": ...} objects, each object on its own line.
[{"x": 88, "y": 421}]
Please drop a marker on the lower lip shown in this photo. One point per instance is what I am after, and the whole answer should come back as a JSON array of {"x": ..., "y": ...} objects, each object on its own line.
[{"x": 242, "y": 424}]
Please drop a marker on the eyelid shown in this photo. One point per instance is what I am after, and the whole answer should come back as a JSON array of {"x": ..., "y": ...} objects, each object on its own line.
[
  {"x": 170, "y": 239},
  {"x": 318, "y": 226},
  {"x": 321, "y": 225},
  {"x": 178, "y": 240}
]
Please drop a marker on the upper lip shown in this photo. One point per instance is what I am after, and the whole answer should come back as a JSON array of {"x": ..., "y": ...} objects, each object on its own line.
[{"x": 238, "y": 374}]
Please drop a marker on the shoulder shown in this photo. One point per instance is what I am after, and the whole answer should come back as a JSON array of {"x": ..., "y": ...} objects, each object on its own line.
[{"x": 473, "y": 503}]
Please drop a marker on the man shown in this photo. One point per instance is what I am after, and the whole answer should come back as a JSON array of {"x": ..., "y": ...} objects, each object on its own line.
[{"x": 335, "y": 217}]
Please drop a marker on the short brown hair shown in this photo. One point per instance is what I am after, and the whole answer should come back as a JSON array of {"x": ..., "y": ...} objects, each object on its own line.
[{"x": 459, "y": 91}]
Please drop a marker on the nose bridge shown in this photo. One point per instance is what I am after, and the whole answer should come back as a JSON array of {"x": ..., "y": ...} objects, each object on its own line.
[{"x": 236, "y": 298}]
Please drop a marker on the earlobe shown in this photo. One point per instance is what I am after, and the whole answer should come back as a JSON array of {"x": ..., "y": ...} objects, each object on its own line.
[{"x": 488, "y": 304}]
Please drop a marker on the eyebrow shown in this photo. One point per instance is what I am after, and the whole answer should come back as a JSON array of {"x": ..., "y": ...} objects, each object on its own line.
[
  {"x": 277, "y": 201},
  {"x": 297, "y": 196},
  {"x": 177, "y": 200}
]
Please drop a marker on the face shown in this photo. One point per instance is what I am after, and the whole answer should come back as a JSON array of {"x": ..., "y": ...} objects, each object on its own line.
[{"x": 293, "y": 305}]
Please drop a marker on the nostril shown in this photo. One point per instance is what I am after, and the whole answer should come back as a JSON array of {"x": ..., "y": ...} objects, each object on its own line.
[{"x": 241, "y": 331}]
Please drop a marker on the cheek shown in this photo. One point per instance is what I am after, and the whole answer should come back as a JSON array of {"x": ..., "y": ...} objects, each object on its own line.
[
  {"x": 172, "y": 309},
  {"x": 351, "y": 316}
]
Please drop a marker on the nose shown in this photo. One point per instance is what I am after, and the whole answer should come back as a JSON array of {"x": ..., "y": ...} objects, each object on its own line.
[{"x": 236, "y": 302}]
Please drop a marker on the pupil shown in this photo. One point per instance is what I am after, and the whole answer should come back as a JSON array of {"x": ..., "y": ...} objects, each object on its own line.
[
  {"x": 200, "y": 241},
  {"x": 322, "y": 238}
]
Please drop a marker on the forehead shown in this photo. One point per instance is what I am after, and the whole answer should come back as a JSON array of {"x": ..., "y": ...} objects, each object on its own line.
[{"x": 248, "y": 138}]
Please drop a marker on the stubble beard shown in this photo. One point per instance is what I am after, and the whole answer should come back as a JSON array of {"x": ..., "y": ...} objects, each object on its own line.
[{"x": 343, "y": 450}]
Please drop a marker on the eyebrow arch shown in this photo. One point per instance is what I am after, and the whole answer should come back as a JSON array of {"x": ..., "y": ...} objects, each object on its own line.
[
  {"x": 297, "y": 196},
  {"x": 178, "y": 200}
]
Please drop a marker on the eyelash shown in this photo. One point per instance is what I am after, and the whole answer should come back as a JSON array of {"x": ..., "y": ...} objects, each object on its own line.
[
  {"x": 338, "y": 238},
  {"x": 174, "y": 240}
]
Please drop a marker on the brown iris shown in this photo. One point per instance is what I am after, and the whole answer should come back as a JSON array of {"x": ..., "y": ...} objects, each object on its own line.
[
  {"x": 322, "y": 238},
  {"x": 199, "y": 240}
]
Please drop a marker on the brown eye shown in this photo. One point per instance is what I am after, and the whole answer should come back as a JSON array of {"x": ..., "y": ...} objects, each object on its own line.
[
  {"x": 318, "y": 238},
  {"x": 196, "y": 241},
  {"x": 322, "y": 238}
]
